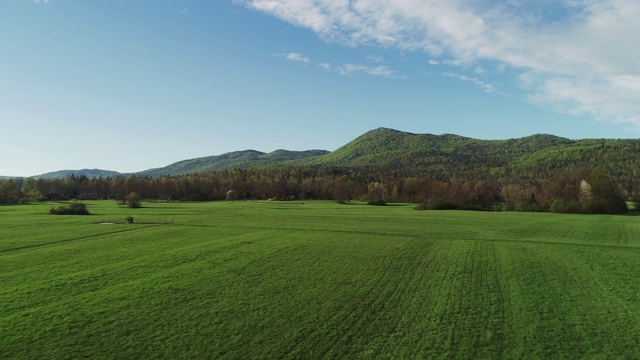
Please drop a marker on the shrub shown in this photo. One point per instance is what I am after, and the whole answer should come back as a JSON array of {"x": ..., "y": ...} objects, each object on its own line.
[
  {"x": 441, "y": 204},
  {"x": 612, "y": 205},
  {"x": 437, "y": 204},
  {"x": 378, "y": 202},
  {"x": 133, "y": 200},
  {"x": 72, "y": 209},
  {"x": 421, "y": 206},
  {"x": 129, "y": 219},
  {"x": 558, "y": 206}
]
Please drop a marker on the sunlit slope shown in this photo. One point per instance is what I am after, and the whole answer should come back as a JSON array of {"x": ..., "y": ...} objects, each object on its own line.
[
  {"x": 452, "y": 155},
  {"x": 446, "y": 156}
]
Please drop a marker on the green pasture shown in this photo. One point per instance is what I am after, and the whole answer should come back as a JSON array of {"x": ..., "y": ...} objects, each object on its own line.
[{"x": 312, "y": 280}]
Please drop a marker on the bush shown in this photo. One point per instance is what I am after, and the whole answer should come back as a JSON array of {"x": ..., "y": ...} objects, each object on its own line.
[
  {"x": 613, "y": 205},
  {"x": 437, "y": 204},
  {"x": 72, "y": 209},
  {"x": 421, "y": 206},
  {"x": 440, "y": 204},
  {"x": 129, "y": 219},
  {"x": 378, "y": 202},
  {"x": 558, "y": 206},
  {"x": 133, "y": 200}
]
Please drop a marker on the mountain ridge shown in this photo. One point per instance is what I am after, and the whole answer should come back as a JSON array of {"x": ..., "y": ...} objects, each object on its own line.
[{"x": 418, "y": 154}]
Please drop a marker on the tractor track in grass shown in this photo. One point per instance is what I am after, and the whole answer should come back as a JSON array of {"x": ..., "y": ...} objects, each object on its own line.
[
  {"x": 347, "y": 328},
  {"x": 64, "y": 241},
  {"x": 549, "y": 242},
  {"x": 284, "y": 228},
  {"x": 427, "y": 236}
]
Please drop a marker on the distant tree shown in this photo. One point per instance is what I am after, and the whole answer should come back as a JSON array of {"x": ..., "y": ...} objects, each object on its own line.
[
  {"x": 394, "y": 193},
  {"x": 340, "y": 191},
  {"x": 376, "y": 194},
  {"x": 232, "y": 195},
  {"x": 8, "y": 193},
  {"x": 513, "y": 195},
  {"x": 604, "y": 197},
  {"x": 585, "y": 191},
  {"x": 31, "y": 190},
  {"x": 521, "y": 197},
  {"x": 133, "y": 200}
]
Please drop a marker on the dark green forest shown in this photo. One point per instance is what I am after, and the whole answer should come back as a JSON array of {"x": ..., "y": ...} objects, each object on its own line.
[{"x": 535, "y": 173}]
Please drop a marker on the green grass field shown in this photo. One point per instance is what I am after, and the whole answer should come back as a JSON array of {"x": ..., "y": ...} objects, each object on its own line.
[{"x": 314, "y": 280}]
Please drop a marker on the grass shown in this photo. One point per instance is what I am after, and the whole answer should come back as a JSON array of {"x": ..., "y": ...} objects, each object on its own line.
[{"x": 316, "y": 280}]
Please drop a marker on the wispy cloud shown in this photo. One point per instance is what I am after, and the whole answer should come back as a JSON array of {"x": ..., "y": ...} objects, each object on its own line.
[
  {"x": 41, "y": 1},
  {"x": 295, "y": 57},
  {"x": 348, "y": 69},
  {"x": 375, "y": 59},
  {"x": 581, "y": 59},
  {"x": 381, "y": 71},
  {"x": 480, "y": 83}
]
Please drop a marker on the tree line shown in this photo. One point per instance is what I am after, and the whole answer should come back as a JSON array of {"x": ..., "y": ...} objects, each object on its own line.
[{"x": 582, "y": 190}]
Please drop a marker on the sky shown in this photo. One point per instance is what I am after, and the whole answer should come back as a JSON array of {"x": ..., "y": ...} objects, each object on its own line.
[{"x": 129, "y": 85}]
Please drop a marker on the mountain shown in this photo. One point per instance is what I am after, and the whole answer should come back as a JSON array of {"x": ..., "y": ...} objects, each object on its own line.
[
  {"x": 427, "y": 153},
  {"x": 454, "y": 156},
  {"x": 232, "y": 160},
  {"x": 91, "y": 173},
  {"x": 445, "y": 156}
]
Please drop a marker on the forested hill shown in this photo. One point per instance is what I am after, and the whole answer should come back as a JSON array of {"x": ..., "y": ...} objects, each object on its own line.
[
  {"x": 91, "y": 173},
  {"x": 233, "y": 160},
  {"x": 445, "y": 156},
  {"x": 453, "y": 156},
  {"x": 442, "y": 156}
]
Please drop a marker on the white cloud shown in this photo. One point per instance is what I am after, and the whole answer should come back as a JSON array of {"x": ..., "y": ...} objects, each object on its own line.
[
  {"x": 41, "y": 1},
  {"x": 348, "y": 69},
  {"x": 483, "y": 85},
  {"x": 295, "y": 57},
  {"x": 582, "y": 59},
  {"x": 375, "y": 59},
  {"x": 614, "y": 100},
  {"x": 382, "y": 71}
]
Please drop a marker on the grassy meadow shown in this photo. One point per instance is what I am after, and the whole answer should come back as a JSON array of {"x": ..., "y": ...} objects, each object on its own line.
[{"x": 244, "y": 280}]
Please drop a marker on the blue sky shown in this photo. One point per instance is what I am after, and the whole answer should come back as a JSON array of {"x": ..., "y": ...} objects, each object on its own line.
[{"x": 131, "y": 85}]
